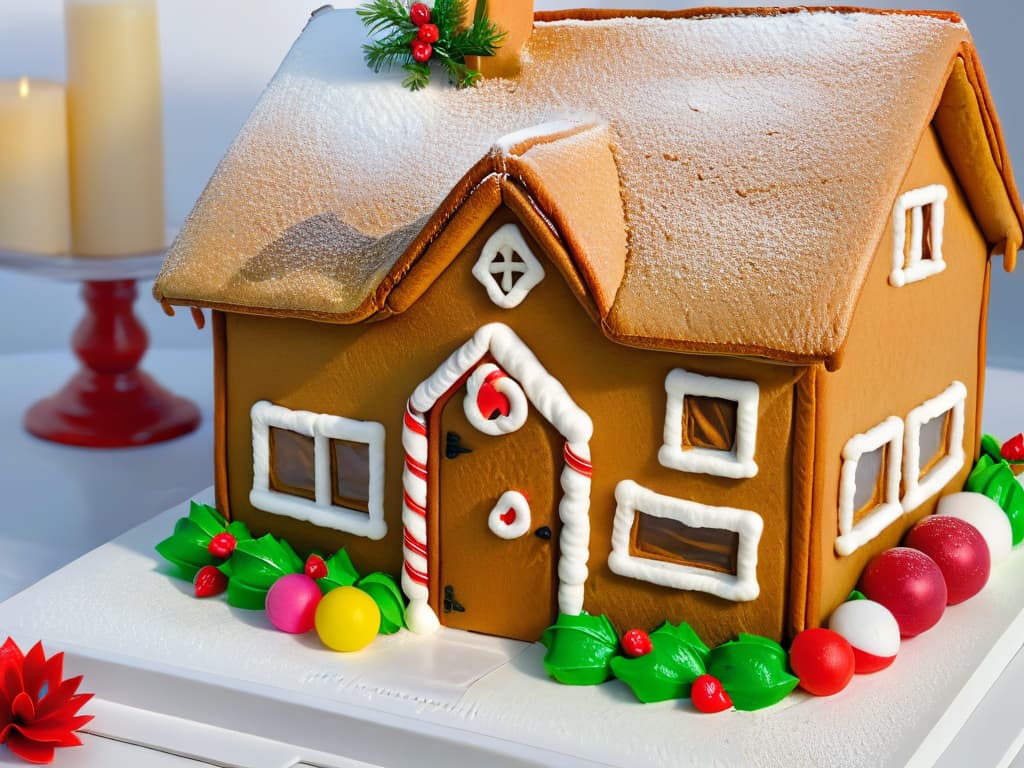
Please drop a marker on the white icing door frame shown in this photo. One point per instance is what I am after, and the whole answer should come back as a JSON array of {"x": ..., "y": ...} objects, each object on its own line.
[{"x": 550, "y": 398}]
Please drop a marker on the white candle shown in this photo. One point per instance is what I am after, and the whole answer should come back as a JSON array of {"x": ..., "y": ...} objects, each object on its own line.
[
  {"x": 115, "y": 124},
  {"x": 33, "y": 167}
]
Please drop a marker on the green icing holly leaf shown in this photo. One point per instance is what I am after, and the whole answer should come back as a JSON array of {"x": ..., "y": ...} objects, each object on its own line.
[
  {"x": 385, "y": 593},
  {"x": 340, "y": 572},
  {"x": 254, "y": 566},
  {"x": 856, "y": 595},
  {"x": 752, "y": 670},
  {"x": 580, "y": 648},
  {"x": 188, "y": 547},
  {"x": 996, "y": 480},
  {"x": 990, "y": 447},
  {"x": 678, "y": 658}
]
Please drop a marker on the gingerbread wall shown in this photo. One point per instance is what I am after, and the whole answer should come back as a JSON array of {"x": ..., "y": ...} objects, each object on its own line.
[
  {"x": 906, "y": 345},
  {"x": 368, "y": 371}
]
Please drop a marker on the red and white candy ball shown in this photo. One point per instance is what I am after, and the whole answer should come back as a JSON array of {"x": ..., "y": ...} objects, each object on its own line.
[
  {"x": 910, "y": 585},
  {"x": 291, "y": 603},
  {"x": 985, "y": 515},
  {"x": 872, "y": 632},
  {"x": 958, "y": 549}
]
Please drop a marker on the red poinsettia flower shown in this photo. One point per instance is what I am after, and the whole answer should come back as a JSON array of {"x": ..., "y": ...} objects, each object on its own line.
[{"x": 38, "y": 710}]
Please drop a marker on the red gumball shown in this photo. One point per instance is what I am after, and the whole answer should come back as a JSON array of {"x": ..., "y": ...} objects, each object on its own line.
[
  {"x": 910, "y": 585},
  {"x": 708, "y": 695},
  {"x": 823, "y": 660},
  {"x": 960, "y": 551}
]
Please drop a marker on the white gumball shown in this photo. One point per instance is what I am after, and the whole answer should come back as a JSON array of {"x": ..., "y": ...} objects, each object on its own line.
[
  {"x": 871, "y": 629},
  {"x": 985, "y": 515}
]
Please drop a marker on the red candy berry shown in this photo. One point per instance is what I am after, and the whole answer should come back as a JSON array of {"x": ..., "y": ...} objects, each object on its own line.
[
  {"x": 222, "y": 545},
  {"x": 960, "y": 551},
  {"x": 419, "y": 14},
  {"x": 823, "y": 660},
  {"x": 209, "y": 581},
  {"x": 421, "y": 51},
  {"x": 636, "y": 643},
  {"x": 315, "y": 567},
  {"x": 1013, "y": 449},
  {"x": 910, "y": 585},
  {"x": 709, "y": 696},
  {"x": 428, "y": 33}
]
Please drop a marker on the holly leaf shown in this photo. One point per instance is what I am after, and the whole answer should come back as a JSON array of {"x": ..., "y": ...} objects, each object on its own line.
[
  {"x": 752, "y": 670},
  {"x": 385, "y": 593},
  {"x": 340, "y": 572},
  {"x": 579, "y": 648},
  {"x": 254, "y": 567},
  {"x": 990, "y": 447},
  {"x": 678, "y": 657},
  {"x": 996, "y": 480},
  {"x": 188, "y": 547}
]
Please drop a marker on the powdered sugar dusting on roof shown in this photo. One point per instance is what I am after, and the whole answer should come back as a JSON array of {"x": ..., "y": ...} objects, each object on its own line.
[{"x": 758, "y": 156}]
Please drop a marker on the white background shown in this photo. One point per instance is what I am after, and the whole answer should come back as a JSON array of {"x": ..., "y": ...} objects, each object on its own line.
[{"x": 219, "y": 54}]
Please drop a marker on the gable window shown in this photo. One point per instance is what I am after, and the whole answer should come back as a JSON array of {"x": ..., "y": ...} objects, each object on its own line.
[
  {"x": 507, "y": 268},
  {"x": 710, "y": 425},
  {"x": 869, "y": 485},
  {"x": 917, "y": 222},
  {"x": 685, "y": 545},
  {"x": 934, "y": 445},
  {"x": 322, "y": 469}
]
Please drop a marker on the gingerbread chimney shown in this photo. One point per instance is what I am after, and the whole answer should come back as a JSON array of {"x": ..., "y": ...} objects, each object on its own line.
[{"x": 515, "y": 18}]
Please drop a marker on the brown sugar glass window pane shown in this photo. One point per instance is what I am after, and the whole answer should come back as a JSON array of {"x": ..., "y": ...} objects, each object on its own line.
[
  {"x": 291, "y": 463},
  {"x": 934, "y": 442},
  {"x": 350, "y": 468},
  {"x": 709, "y": 422},
  {"x": 869, "y": 482},
  {"x": 926, "y": 232},
  {"x": 669, "y": 540}
]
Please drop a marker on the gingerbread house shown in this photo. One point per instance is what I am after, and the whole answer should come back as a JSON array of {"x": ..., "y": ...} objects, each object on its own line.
[{"x": 683, "y": 318}]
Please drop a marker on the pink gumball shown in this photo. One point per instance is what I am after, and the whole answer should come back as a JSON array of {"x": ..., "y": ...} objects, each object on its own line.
[
  {"x": 960, "y": 551},
  {"x": 292, "y": 602},
  {"x": 910, "y": 585}
]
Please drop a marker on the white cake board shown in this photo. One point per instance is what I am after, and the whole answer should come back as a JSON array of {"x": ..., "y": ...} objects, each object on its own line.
[{"x": 200, "y": 679}]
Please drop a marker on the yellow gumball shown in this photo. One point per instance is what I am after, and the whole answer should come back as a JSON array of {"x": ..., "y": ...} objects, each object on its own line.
[{"x": 347, "y": 619}]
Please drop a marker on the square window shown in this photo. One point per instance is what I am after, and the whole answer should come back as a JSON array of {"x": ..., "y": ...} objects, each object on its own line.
[
  {"x": 682, "y": 544},
  {"x": 322, "y": 469},
  {"x": 933, "y": 450},
  {"x": 710, "y": 425},
  {"x": 917, "y": 221},
  {"x": 869, "y": 485}
]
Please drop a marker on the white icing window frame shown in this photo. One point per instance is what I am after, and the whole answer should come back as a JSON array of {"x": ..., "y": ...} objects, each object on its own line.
[
  {"x": 917, "y": 490},
  {"x": 853, "y": 536},
  {"x": 632, "y": 498},
  {"x": 909, "y": 266},
  {"x": 736, "y": 463},
  {"x": 322, "y": 428},
  {"x": 506, "y": 240}
]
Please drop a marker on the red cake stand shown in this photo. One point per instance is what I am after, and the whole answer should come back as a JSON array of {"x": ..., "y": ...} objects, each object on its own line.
[{"x": 110, "y": 402}]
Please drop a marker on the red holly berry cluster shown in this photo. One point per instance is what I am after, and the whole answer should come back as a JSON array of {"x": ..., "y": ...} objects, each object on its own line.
[{"x": 428, "y": 33}]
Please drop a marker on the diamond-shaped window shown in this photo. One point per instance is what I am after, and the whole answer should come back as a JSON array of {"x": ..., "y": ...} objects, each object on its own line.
[{"x": 507, "y": 267}]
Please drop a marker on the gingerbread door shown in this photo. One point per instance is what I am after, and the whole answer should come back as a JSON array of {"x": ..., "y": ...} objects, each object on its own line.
[{"x": 497, "y": 514}]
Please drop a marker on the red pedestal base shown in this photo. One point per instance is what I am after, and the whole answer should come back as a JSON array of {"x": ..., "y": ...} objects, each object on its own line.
[{"x": 110, "y": 403}]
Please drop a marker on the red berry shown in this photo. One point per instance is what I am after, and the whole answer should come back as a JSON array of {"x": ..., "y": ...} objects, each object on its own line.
[
  {"x": 209, "y": 581},
  {"x": 421, "y": 51},
  {"x": 419, "y": 14},
  {"x": 315, "y": 568},
  {"x": 222, "y": 545},
  {"x": 428, "y": 33},
  {"x": 823, "y": 660},
  {"x": 1013, "y": 449},
  {"x": 636, "y": 643},
  {"x": 709, "y": 696}
]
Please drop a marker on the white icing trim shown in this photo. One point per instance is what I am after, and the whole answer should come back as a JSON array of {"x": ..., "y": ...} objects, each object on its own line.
[
  {"x": 513, "y": 500},
  {"x": 632, "y": 498},
  {"x": 916, "y": 491},
  {"x": 322, "y": 428},
  {"x": 909, "y": 267},
  {"x": 518, "y": 406},
  {"x": 736, "y": 463},
  {"x": 550, "y": 398},
  {"x": 496, "y": 276},
  {"x": 852, "y": 537}
]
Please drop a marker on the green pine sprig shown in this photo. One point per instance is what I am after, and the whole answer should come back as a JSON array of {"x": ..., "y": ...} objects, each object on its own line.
[{"x": 389, "y": 21}]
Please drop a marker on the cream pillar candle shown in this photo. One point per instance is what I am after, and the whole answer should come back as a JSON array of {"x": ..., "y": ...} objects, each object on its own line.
[
  {"x": 115, "y": 127},
  {"x": 34, "y": 213}
]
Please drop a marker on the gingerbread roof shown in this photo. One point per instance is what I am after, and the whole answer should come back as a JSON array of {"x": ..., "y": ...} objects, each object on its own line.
[{"x": 715, "y": 180}]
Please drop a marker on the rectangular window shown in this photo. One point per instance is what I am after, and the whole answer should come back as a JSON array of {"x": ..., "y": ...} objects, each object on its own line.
[
  {"x": 682, "y": 544},
  {"x": 869, "y": 485},
  {"x": 933, "y": 451},
  {"x": 322, "y": 469},
  {"x": 918, "y": 218}
]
